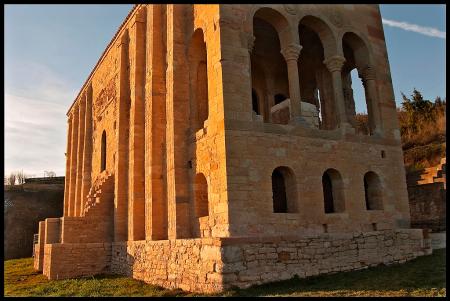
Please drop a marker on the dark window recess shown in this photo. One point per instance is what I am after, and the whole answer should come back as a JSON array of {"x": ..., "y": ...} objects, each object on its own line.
[
  {"x": 255, "y": 104},
  {"x": 103, "y": 152},
  {"x": 328, "y": 193},
  {"x": 279, "y": 192},
  {"x": 279, "y": 98},
  {"x": 366, "y": 196}
]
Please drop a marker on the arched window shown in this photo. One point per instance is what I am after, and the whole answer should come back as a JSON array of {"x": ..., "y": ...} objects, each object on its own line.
[
  {"x": 373, "y": 191},
  {"x": 354, "y": 75},
  {"x": 103, "y": 152},
  {"x": 269, "y": 73},
  {"x": 316, "y": 87},
  {"x": 333, "y": 191},
  {"x": 198, "y": 68},
  {"x": 284, "y": 190},
  {"x": 201, "y": 196}
]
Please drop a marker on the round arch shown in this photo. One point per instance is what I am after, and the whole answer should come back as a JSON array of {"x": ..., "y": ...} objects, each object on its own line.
[{"x": 325, "y": 33}]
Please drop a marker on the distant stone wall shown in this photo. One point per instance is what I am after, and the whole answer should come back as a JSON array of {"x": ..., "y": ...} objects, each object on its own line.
[
  {"x": 428, "y": 206},
  {"x": 23, "y": 209},
  {"x": 46, "y": 180}
]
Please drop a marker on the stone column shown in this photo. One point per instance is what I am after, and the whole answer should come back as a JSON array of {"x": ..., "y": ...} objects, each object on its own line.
[
  {"x": 291, "y": 54},
  {"x": 155, "y": 121},
  {"x": 68, "y": 166},
  {"x": 73, "y": 160},
  {"x": 368, "y": 79},
  {"x": 136, "y": 198},
  {"x": 121, "y": 162},
  {"x": 87, "y": 151},
  {"x": 334, "y": 65},
  {"x": 177, "y": 114},
  {"x": 80, "y": 147}
]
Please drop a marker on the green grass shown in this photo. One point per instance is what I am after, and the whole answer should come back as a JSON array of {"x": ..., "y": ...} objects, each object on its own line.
[{"x": 423, "y": 276}]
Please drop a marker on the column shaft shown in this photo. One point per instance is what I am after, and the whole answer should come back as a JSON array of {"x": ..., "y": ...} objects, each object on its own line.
[
  {"x": 121, "y": 165},
  {"x": 291, "y": 54},
  {"x": 177, "y": 114},
  {"x": 370, "y": 86},
  {"x": 136, "y": 208},
  {"x": 87, "y": 152},
  {"x": 68, "y": 165},
  {"x": 155, "y": 112},
  {"x": 80, "y": 147},
  {"x": 73, "y": 162},
  {"x": 334, "y": 65}
]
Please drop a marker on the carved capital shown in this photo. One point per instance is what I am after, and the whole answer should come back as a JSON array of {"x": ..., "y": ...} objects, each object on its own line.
[
  {"x": 334, "y": 63},
  {"x": 367, "y": 73},
  {"x": 291, "y": 52}
]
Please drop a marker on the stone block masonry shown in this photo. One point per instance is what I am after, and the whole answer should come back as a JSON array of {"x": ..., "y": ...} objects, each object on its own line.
[
  {"x": 207, "y": 132},
  {"x": 62, "y": 261},
  {"x": 214, "y": 264}
]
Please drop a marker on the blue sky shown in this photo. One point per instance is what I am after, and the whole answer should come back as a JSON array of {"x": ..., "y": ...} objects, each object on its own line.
[{"x": 51, "y": 49}]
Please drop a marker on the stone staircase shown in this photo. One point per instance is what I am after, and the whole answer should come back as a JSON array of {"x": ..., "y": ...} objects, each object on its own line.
[
  {"x": 435, "y": 174},
  {"x": 427, "y": 197},
  {"x": 101, "y": 194}
]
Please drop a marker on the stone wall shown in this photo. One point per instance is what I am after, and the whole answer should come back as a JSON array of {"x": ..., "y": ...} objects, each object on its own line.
[
  {"x": 428, "y": 206},
  {"x": 22, "y": 212},
  {"x": 85, "y": 229},
  {"x": 264, "y": 260},
  {"x": 210, "y": 265},
  {"x": 67, "y": 260},
  {"x": 189, "y": 264}
]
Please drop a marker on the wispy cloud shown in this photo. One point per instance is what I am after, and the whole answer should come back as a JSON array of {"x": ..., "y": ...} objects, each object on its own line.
[
  {"x": 428, "y": 31},
  {"x": 35, "y": 120}
]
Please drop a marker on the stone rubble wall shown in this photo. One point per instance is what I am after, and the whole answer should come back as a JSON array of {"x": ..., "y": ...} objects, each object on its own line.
[
  {"x": 249, "y": 263},
  {"x": 62, "y": 261},
  {"x": 428, "y": 206},
  {"x": 211, "y": 265},
  {"x": 189, "y": 264}
]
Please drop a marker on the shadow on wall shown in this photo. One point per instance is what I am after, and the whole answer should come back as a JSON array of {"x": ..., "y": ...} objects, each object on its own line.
[{"x": 23, "y": 209}]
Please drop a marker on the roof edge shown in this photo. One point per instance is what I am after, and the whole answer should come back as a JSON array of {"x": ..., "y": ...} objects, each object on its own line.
[{"x": 105, "y": 52}]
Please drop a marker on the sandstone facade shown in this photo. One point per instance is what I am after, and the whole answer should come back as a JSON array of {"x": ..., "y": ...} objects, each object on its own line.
[{"x": 206, "y": 133}]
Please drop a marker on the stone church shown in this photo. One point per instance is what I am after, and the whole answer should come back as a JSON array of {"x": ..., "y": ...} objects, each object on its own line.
[{"x": 215, "y": 146}]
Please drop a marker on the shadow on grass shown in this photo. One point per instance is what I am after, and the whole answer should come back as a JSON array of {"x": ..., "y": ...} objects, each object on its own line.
[{"x": 421, "y": 274}]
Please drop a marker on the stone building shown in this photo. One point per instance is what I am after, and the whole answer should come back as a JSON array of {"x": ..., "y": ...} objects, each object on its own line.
[{"x": 214, "y": 146}]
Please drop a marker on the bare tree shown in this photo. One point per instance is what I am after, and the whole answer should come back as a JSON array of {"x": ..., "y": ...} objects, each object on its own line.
[
  {"x": 49, "y": 174},
  {"x": 20, "y": 177},
  {"x": 12, "y": 179}
]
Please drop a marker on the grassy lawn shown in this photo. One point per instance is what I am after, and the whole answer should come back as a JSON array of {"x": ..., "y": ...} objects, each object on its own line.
[{"x": 424, "y": 276}]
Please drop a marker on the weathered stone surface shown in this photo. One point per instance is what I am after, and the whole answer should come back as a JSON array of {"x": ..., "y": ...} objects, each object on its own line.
[{"x": 224, "y": 136}]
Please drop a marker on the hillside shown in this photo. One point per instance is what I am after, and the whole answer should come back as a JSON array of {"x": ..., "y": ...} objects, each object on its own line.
[{"x": 422, "y": 127}]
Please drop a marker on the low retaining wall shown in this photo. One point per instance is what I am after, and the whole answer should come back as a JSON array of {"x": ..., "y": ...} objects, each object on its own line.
[
  {"x": 266, "y": 260},
  {"x": 68, "y": 260},
  {"x": 214, "y": 264}
]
